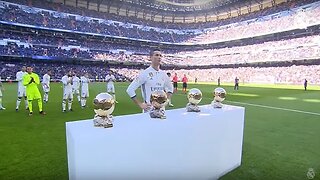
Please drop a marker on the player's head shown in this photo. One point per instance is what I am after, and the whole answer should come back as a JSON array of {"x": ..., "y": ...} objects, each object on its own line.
[
  {"x": 69, "y": 73},
  {"x": 49, "y": 72},
  {"x": 29, "y": 69},
  {"x": 23, "y": 69},
  {"x": 155, "y": 57},
  {"x": 168, "y": 74}
]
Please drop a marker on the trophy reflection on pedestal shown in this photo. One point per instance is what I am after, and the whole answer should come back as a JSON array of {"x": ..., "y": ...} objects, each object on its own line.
[
  {"x": 194, "y": 97},
  {"x": 158, "y": 100},
  {"x": 103, "y": 107},
  {"x": 219, "y": 95}
]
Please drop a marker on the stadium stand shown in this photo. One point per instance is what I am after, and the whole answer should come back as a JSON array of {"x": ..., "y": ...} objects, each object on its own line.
[{"x": 281, "y": 38}]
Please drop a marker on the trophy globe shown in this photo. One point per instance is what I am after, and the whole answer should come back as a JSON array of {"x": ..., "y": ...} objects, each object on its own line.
[
  {"x": 219, "y": 94},
  {"x": 104, "y": 105},
  {"x": 158, "y": 100},
  {"x": 194, "y": 98}
]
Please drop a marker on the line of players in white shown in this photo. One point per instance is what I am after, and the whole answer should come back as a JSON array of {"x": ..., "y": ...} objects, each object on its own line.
[{"x": 72, "y": 85}]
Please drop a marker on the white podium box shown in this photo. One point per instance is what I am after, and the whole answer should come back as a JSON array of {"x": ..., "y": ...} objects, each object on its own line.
[{"x": 186, "y": 145}]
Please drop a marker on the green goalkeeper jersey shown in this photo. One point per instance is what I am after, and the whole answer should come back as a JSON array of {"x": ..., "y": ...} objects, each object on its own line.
[{"x": 31, "y": 81}]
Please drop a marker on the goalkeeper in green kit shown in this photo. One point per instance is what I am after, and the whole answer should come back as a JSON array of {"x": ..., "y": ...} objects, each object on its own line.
[{"x": 31, "y": 81}]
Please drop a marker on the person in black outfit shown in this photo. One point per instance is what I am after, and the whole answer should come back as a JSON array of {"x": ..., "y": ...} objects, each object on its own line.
[
  {"x": 305, "y": 84},
  {"x": 236, "y": 83}
]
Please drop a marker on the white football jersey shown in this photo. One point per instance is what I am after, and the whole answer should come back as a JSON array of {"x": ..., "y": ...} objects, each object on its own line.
[
  {"x": 46, "y": 80},
  {"x": 67, "y": 83},
  {"x": 84, "y": 84},
  {"x": 76, "y": 82},
  {"x": 110, "y": 79},
  {"x": 19, "y": 78},
  {"x": 150, "y": 80}
]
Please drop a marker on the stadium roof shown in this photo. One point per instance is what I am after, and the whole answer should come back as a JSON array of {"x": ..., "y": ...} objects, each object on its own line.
[{"x": 176, "y": 6}]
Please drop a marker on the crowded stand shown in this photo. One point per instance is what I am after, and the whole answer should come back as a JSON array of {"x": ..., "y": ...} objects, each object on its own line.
[
  {"x": 302, "y": 48},
  {"x": 34, "y": 44},
  {"x": 167, "y": 25},
  {"x": 285, "y": 21},
  {"x": 276, "y": 75},
  {"x": 53, "y": 19},
  {"x": 97, "y": 73},
  {"x": 39, "y": 17},
  {"x": 273, "y": 75},
  {"x": 285, "y": 50}
]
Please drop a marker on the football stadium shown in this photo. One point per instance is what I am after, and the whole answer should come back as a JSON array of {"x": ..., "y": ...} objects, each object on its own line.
[{"x": 56, "y": 56}]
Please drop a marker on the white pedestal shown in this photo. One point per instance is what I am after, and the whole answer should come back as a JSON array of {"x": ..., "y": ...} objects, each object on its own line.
[{"x": 186, "y": 145}]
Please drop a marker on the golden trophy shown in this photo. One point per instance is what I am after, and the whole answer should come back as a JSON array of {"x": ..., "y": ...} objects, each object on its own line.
[
  {"x": 194, "y": 97},
  {"x": 103, "y": 107},
  {"x": 158, "y": 100},
  {"x": 219, "y": 95}
]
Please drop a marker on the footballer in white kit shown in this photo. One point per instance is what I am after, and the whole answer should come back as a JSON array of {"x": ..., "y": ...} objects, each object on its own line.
[
  {"x": 67, "y": 91},
  {"x": 1, "y": 88},
  {"x": 150, "y": 80},
  {"x": 46, "y": 86},
  {"x": 76, "y": 86},
  {"x": 21, "y": 88},
  {"x": 110, "y": 79},
  {"x": 84, "y": 89}
]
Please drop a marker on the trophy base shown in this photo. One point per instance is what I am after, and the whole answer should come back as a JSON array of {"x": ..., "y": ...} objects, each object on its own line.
[
  {"x": 192, "y": 108},
  {"x": 157, "y": 113},
  {"x": 216, "y": 104},
  {"x": 103, "y": 121}
]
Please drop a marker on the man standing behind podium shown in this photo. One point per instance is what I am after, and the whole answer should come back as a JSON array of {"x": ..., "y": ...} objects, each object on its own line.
[
  {"x": 150, "y": 79},
  {"x": 31, "y": 81}
]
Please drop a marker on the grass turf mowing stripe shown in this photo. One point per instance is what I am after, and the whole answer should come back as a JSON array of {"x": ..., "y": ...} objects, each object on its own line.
[
  {"x": 277, "y": 108},
  {"x": 264, "y": 106}
]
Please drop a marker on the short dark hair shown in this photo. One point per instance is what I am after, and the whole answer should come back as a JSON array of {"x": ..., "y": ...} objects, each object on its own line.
[
  {"x": 152, "y": 51},
  {"x": 169, "y": 74}
]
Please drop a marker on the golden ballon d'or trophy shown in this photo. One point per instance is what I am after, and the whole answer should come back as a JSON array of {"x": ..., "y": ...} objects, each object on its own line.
[
  {"x": 194, "y": 98},
  {"x": 103, "y": 107},
  {"x": 219, "y": 94},
  {"x": 158, "y": 100}
]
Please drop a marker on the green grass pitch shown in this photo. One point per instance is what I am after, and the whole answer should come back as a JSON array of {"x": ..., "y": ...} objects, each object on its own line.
[{"x": 278, "y": 144}]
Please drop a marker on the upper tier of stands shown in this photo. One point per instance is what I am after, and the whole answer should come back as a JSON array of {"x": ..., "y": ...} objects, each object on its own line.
[
  {"x": 287, "y": 20},
  {"x": 167, "y": 25}
]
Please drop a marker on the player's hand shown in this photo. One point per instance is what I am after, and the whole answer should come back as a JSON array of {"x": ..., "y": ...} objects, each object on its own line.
[
  {"x": 31, "y": 81},
  {"x": 145, "y": 106}
]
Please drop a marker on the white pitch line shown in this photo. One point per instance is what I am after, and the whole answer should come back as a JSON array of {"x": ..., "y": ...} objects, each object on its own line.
[{"x": 277, "y": 108}]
